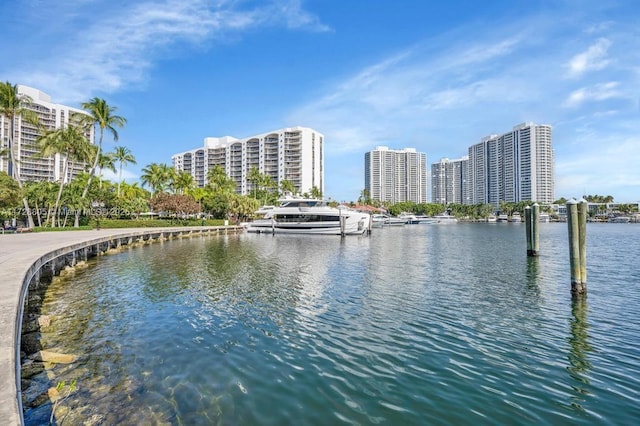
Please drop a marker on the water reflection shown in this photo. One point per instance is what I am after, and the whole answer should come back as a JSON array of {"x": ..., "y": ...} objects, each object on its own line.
[
  {"x": 533, "y": 274},
  {"x": 579, "y": 365},
  {"x": 412, "y": 325}
]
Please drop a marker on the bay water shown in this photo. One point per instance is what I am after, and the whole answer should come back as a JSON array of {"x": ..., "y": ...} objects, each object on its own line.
[{"x": 420, "y": 324}]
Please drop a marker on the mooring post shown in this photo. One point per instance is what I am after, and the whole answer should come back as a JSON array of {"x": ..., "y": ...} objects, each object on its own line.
[
  {"x": 582, "y": 221},
  {"x": 535, "y": 236},
  {"x": 527, "y": 230},
  {"x": 574, "y": 247}
]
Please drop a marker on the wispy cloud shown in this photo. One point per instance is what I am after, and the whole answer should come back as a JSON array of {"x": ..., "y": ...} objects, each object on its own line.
[
  {"x": 117, "y": 48},
  {"x": 593, "y": 59},
  {"x": 598, "y": 92},
  {"x": 127, "y": 176}
]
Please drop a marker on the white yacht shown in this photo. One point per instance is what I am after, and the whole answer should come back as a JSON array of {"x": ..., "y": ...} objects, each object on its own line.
[
  {"x": 445, "y": 219},
  {"x": 619, "y": 219},
  {"x": 409, "y": 218},
  {"x": 380, "y": 220},
  {"x": 503, "y": 218},
  {"x": 515, "y": 217},
  {"x": 311, "y": 216}
]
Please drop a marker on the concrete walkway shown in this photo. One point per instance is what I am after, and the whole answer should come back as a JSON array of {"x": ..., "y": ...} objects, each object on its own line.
[{"x": 18, "y": 254}]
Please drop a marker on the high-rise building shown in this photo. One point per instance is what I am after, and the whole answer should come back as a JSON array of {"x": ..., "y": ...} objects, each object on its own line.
[
  {"x": 396, "y": 175},
  {"x": 295, "y": 154},
  {"x": 449, "y": 181},
  {"x": 25, "y": 147},
  {"x": 513, "y": 167}
]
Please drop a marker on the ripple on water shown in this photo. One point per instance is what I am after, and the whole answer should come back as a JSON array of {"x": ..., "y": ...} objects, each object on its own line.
[{"x": 414, "y": 325}]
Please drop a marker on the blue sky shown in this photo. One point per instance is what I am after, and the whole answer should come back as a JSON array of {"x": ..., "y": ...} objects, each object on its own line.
[{"x": 432, "y": 75}]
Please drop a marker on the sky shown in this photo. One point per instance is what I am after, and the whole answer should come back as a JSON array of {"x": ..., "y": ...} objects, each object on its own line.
[{"x": 431, "y": 75}]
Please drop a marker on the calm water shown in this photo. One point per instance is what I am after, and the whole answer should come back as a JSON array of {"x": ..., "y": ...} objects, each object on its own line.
[{"x": 422, "y": 324}]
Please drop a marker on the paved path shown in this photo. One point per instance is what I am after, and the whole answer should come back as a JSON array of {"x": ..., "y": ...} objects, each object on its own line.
[{"x": 18, "y": 252}]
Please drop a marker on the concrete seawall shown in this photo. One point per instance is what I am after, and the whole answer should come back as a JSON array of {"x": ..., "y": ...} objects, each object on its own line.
[{"x": 24, "y": 258}]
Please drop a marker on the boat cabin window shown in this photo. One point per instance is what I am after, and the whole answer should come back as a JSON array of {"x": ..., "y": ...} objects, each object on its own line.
[{"x": 303, "y": 203}]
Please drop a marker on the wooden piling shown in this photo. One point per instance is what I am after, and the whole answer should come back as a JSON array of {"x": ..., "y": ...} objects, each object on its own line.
[
  {"x": 531, "y": 217},
  {"x": 582, "y": 225},
  {"x": 573, "y": 224},
  {"x": 535, "y": 236},
  {"x": 527, "y": 230}
]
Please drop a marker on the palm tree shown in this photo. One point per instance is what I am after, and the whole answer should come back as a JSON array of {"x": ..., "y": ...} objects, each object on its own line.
[
  {"x": 106, "y": 161},
  {"x": 39, "y": 194},
  {"x": 255, "y": 178},
  {"x": 156, "y": 176},
  {"x": 101, "y": 115},
  {"x": 315, "y": 192},
  {"x": 219, "y": 182},
  {"x": 69, "y": 142},
  {"x": 287, "y": 186},
  {"x": 122, "y": 155},
  {"x": 14, "y": 105},
  {"x": 182, "y": 182}
]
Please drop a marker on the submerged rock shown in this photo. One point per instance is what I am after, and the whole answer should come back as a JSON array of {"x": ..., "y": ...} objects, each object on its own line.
[
  {"x": 30, "y": 343},
  {"x": 36, "y": 323},
  {"x": 53, "y": 357},
  {"x": 30, "y": 369}
]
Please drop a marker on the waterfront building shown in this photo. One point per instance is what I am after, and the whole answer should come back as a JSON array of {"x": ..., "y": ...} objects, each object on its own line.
[
  {"x": 449, "y": 181},
  {"x": 51, "y": 116},
  {"x": 513, "y": 167},
  {"x": 396, "y": 175},
  {"x": 295, "y": 154}
]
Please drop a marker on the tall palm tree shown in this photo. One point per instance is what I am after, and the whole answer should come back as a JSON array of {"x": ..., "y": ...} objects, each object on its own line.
[
  {"x": 255, "y": 178},
  {"x": 71, "y": 143},
  {"x": 13, "y": 106},
  {"x": 156, "y": 176},
  {"x": 101, "y": 115},
  {"x": 183, "y": 182},
  {"x": 122, "y": 155},
  {"x": 106, "y": 161}
]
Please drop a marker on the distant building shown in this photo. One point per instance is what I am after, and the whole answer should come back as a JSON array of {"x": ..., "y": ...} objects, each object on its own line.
[
  {"x": 295, "y": 154},
  {"x": 449, "y": 181},
  {"x": 513, "y": 167},
  {"x": 25, "y": 148},
  {"x": 396, "y": 175}
]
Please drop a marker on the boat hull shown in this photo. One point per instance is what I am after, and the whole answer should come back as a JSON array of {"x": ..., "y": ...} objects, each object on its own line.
[{"x": 352, "y": 226}]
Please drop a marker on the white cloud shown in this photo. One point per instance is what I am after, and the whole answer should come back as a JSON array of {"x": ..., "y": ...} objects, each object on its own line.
[
  {"x": 118, "y": 50},
  {"x": 593, "y": 59},
  {"x": 605, "y": 167},
  {"x": 598, "y": 92},
  {"x": 126, "y": 175}
]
